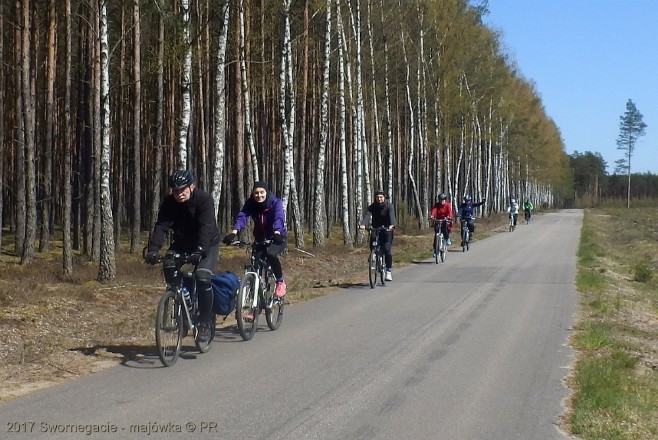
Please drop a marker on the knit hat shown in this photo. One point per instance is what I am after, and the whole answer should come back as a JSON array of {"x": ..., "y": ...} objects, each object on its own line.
[{"x": 259, "y": 184}]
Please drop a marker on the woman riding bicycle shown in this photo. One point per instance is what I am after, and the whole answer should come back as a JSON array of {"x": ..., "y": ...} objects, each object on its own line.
[
  {"x": 266, "y": 211},
  {"x": 378, "y": 214},
  {"x": 466, "y": 213},
  {"x": 441, "y": 213}
]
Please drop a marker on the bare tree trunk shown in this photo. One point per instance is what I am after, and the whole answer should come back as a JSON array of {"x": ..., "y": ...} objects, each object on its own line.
[
  {"x": 2, "y": 118},
  {"x": 387, "y": 120},
  {"x": 137, "y": 130},
  {"x": 347, "y": 229},
  {"x": 319, "y": 215},
  {"x": 186, "y": 87},
  {"x": 28, "y": 127},
  {"x": 220, "y": 107},
  {"x": 107, "y": 266},
  {"x": 47, "y": 198},
  {"x": 159, "y": 119},
  {"x": 67, "y": 252},
  {"x": 246, "y": 97}
]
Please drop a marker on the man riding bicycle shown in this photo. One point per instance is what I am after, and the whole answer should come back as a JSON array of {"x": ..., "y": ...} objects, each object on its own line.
[
  {"x": 466, "y": 213},
  {"x": 527, "y": 208},
  {"x": 381, "y": 214},
  {"x": 189, "y": 213},
  {"x": 441, "y": 213},
  {"x": 513, "y": 210}
]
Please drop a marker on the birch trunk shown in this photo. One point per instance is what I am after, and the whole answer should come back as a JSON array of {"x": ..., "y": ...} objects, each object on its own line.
[
  {"x": 107, "y": 267},
  {"x": 2, "y": 114},
  {"x": 246, "y": 98},
  {"x": 186, "y": 87},
  {"x": 220, "y": 107},
  {"x": 347, "y": 230},
  {"x": 319, "y": 215},
  {"x": 387, "y": 121}
]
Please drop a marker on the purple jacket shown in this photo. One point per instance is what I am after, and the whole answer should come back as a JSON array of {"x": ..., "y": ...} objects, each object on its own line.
[{"x": 268, "y": 217}]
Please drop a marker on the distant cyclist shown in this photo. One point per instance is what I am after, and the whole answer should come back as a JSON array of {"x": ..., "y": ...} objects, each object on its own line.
[
  {"x": 466, "y": 213},
  {"x": 527, "y": 208},
  {"x": 513, "y": 210},
  {"x": 442, "y": 210},
  {"x": 380, "y": 213}
]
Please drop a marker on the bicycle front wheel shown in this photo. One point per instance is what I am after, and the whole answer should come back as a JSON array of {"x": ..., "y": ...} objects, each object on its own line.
[
  {"x": 169, "y": 328},
  {"x": 204, "y": 347},
  {"x": 274, "y": 308},
  {"x": 443, "y": 249},
  {"x": 381, "y": 266},
  {"x": 372, "y": 268},
  {"x": 464, "y": 240},
  {"x": 246, "y": 313},
  {"x": 437, "y": 248}
]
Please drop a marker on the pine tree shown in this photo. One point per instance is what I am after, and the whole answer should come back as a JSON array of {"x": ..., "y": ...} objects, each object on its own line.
[{"x": 631, "y": 127}]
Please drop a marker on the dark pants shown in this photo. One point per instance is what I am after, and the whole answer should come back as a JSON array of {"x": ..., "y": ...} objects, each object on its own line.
[
  {"x": 272, "y": 253},
  {"x": 385, "y": 240},
  {"x": 515, "y": 217},
  {"x": 202, "y": 273},
  {"x": 443, "y": 229}
]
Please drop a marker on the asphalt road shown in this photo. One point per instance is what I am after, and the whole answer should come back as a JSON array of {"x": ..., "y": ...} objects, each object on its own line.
[{"x": 473, "y": 348}]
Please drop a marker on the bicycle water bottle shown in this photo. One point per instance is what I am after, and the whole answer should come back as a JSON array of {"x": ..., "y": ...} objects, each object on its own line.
[{"x": 186, "y": 297}]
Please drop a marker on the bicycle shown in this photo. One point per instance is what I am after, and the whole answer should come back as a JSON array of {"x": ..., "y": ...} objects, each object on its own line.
[
  {"x": 440, "y": 243},
  {"x": 178, "y": 311},
  {"x": 465, "y": 233},
  {"x": 512, "y": 227},
  {"x": 376, "y": 261},
  {"x": 256, "y": 292}
]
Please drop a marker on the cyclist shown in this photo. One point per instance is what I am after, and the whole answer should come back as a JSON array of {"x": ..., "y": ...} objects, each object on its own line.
[
  {"x": 513, "y": 210},
  {"x": 466, "y": 213},
  {"x": 189, "y": 213},
  {"x": 380, "y": 213},
  {"x": 527, "y": 208},
  {"x": 442, "y": 210},
  {"x": 266, "y": 211}
]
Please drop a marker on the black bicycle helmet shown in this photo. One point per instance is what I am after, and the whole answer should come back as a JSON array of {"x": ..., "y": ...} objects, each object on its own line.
[
  {"x": 467, "y": 198},
  {"x": 179, "y": 179},
  {"x": 443, "y": 196}
]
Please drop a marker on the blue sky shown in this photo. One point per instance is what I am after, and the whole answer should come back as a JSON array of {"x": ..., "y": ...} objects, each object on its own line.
[{"x": 587, "y": 58}]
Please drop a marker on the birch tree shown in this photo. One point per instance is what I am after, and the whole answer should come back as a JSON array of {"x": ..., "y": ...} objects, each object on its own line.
[
  {"x": 248, "y": 129},
  {"x": 186, "y": 87},
  {"x": 67, "y": 252},
  {"x": 220, "y": 107},
  {"x": 319, "y": 216},
  {"x": 107, "y": 267},
  {"x": 347, "y": 230}
]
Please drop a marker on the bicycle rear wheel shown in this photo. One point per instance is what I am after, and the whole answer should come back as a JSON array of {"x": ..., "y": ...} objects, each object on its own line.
[
  {"x": 204, "y": 347},
  {"x": 381, "y": 268},
  {"x": 443, "y": 249},
  {"x": 245, "y": 313},
  {"x": 274, "y": 309},
  {"x": 169, "y": 328},
  {"x": 372, "y": 268}
]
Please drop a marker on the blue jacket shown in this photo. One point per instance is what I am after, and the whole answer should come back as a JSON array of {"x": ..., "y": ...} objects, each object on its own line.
[
  {"x": 466, "y": 209},
  {"x": 267, "y": 217}
]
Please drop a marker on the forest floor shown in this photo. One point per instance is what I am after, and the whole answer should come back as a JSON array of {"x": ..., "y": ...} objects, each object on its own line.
[{"x": 55, "y": 328}]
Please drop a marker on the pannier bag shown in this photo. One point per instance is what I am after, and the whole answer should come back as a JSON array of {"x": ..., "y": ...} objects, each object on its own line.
[{"x": 225, "y": 286}]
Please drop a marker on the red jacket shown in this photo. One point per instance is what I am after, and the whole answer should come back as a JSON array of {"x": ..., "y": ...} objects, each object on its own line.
[{"x": 440, "y": 211}]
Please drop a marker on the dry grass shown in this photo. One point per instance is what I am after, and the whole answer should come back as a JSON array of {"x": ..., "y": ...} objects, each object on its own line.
[{"x": 54, "y": 328}]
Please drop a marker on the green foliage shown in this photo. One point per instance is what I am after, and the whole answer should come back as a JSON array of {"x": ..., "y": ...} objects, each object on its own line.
[{"x": 643, "y": 272}]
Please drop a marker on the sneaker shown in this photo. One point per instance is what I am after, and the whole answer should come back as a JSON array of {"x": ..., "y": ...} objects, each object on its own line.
[
  {"x": 389, "y": 276},
  {"x": 203, "y": 335},
  {"x": 433, "y": 254},
  {"x": 448, "y": 242},
  {"x": 280, "y": 289}
]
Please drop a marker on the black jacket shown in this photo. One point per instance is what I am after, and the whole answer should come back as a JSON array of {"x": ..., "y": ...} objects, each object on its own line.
[
  {"x": 379, "y": 215},
  {"x": 193, "y": 223}
]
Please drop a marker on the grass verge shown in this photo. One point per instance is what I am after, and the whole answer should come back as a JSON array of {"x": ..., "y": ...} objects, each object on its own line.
[{"x": 615, "y": 378}]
